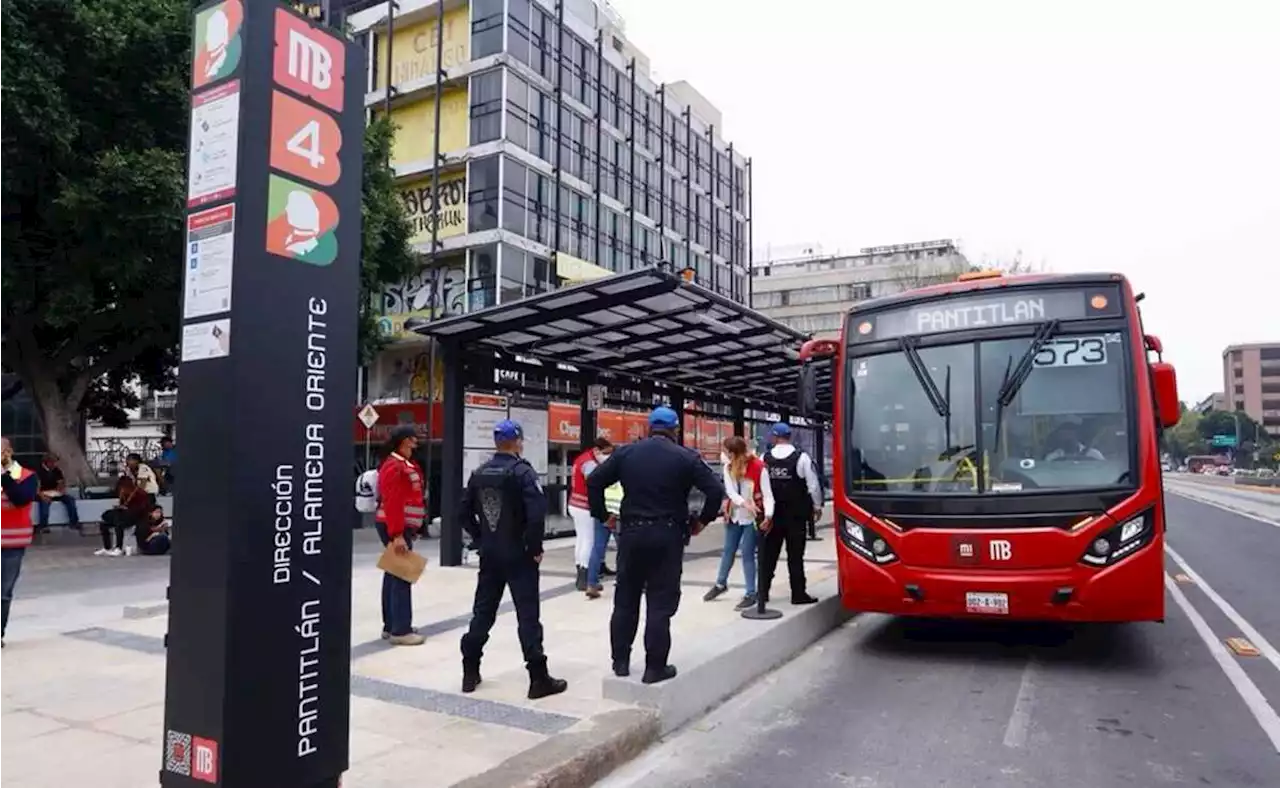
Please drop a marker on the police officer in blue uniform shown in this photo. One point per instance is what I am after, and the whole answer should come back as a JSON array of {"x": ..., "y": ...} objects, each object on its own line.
[
  {"x": 504, "y": 511},
  {"x": 657, "y": 474}
]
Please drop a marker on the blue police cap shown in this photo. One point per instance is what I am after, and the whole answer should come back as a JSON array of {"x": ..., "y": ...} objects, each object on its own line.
[
  {"x": 663, "y": 418},
  {"x": 507, "y": 430},
  {"x": 781, "y": 430}
]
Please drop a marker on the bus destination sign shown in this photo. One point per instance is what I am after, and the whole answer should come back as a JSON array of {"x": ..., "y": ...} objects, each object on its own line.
[{"x": 962, "y": 314}]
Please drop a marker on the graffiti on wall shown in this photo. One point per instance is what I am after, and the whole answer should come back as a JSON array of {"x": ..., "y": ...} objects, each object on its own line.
[{"x": 412, "y": 299}]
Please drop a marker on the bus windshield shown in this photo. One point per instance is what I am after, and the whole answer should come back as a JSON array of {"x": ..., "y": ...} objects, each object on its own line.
[{"x": 930, "y": 419}]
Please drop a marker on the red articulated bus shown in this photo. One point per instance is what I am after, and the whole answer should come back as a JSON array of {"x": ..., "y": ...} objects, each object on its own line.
[{"x": 996, "y": 450}]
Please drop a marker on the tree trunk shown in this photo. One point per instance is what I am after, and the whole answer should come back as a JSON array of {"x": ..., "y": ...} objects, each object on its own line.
[{"x": 62, "y": 431}]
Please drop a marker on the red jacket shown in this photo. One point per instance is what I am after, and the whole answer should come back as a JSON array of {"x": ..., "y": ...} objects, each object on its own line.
[
  {"x": 755, "y": 468},
  {"x": 578, "y": 482},
  {"x": 15, "y": 517},
  {"x": 401, "y": 500}
]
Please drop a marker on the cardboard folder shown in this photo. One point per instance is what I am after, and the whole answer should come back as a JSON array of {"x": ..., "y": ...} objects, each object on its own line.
[{"x": 408, "y": 567}]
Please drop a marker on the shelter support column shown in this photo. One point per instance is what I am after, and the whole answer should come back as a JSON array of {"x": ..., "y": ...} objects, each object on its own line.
[
  {"x": 739, "y": 419},
  {"x": 451, "y": 482},
  {"x": 587, "y": 416},
  {"x": 819, "y": 447},
  {"x": 677, "y": 404}
]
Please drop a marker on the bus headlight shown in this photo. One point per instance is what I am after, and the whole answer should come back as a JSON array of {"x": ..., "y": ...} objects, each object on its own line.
[
  {"x": 1117, "y": 543},
  {"x": 864, "y": 541}
]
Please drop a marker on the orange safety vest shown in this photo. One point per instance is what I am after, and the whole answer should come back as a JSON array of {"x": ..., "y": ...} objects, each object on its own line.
[{"x": 15, "y": 521}]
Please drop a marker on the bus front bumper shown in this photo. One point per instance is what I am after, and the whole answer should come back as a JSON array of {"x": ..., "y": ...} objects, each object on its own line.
[{"x": 1131, "y": 590}]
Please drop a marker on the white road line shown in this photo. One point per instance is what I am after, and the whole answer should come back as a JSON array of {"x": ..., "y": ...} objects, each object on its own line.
[
  {"x": 1249, "y": 692},
  {"x": 1015, "y": 733},
  {"x": 1246, "y": 629},
  {"x": 1224, "y": 507}
]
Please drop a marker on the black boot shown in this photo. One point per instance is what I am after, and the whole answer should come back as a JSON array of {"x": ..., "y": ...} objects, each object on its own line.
[
  {"x": 470, "y": 677},
  {"x": 622, "y": 668},
  {"x": 582, "y": 578},
  {"x": 605, "y": 571},
  {"x": 655, "y": 675},
  {"x": 542, "y": 684}
]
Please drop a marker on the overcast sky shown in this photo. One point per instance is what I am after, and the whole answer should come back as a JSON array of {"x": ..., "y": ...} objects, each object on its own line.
[{"x": 1139, "y": 137}]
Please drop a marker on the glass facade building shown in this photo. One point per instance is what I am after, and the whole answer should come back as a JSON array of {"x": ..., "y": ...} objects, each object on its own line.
[{"x": 557, "y": 157}]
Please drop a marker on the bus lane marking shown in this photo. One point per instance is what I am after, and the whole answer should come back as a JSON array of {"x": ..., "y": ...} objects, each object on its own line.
[
  {"x": 1246, "y": 629},
  {"x": 1253, "y": 698},
  {"x": 1015, "y": 733},
  {"x": 1190, "y": 496}
]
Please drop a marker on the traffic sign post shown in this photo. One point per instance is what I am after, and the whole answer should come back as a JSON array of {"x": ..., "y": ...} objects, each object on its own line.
[
  {"x": 595, "y": 396},
  {"x": 1223, "y": 441},
  {"x": 257, "y": 686},
  {"x": 368, "y": 417}
]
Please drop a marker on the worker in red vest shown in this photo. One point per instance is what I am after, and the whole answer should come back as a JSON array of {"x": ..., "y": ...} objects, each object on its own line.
[
  {"x": 584, "y": 525},
  {"x": 20, "y": 490}
]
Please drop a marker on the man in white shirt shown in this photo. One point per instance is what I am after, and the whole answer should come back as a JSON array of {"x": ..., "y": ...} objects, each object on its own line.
[
  {"x": 1065, "y": 444},
  {"x": 797, "y": 497}
]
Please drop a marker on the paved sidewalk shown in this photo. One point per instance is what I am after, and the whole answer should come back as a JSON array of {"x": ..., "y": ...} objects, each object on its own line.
[{"x": 84, "y": 706}]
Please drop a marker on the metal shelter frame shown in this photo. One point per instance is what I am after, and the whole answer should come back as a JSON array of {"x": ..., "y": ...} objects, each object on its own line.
[{"x": 647, "y": 330}]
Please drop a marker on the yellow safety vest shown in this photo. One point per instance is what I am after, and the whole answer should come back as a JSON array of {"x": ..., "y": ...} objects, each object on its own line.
[{"x": 613, "y": 498}]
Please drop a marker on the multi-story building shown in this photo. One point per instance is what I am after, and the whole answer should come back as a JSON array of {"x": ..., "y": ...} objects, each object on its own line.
[
  {"x": 811, "y": 292},
  {"x": 555, "y": 155},
  {"x": 1215, "y": 401},
  {"x": 1251, "y": 382}
]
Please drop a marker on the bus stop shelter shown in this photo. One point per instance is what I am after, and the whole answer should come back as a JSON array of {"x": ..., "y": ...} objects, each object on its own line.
[{"x": 650, "y": 332}]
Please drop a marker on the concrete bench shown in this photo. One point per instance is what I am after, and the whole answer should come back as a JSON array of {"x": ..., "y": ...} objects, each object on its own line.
[{"x": 92, "y": 509}]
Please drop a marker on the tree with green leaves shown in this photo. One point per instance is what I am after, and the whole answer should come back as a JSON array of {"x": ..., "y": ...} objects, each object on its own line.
[{"x": 96, "y": 112}]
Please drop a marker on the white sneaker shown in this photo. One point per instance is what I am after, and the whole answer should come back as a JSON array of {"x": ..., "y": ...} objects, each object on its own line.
[
  {"x": 101, "y": 551},
  {"x": 114, "y": 552}
]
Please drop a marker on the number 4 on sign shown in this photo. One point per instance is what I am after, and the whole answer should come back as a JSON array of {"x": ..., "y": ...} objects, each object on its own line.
[{"x": 305, "y": 141}]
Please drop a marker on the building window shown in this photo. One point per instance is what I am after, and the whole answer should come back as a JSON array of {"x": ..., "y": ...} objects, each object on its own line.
[
  {"x": 514, "y": 182},
  {"x": 482, "y": 194},
  {"x": 482, "y": 283},
  {"x": 486, "y": 106},
  {"x": 511, "y": 274},
  {"x": 518, "y": 30},
  {"x": 517, "y": 110},
  {"x": 486, "y": 27}
]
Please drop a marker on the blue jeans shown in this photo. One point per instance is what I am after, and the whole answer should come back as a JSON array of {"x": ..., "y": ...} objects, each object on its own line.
[
  {"x": 597, "y": 553},
  {"x": 43, "y": 505},
  {"x": 397, "y": 595},
  {"x": 736, "y": 534},
  {"x": 10, "y": 566}
]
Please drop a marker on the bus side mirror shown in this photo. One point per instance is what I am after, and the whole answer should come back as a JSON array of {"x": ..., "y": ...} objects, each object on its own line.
[
  {"x": 807, "y": 390},
  {"x": 1165, "y": 383},
  {"x": 1154, "y": 345}
]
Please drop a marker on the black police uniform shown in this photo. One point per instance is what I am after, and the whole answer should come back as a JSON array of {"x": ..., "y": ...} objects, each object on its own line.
[
  {"x": 504, "y": 512},
  {"x": 792, "y": 509},
  {"x": 656, "y": 475}
]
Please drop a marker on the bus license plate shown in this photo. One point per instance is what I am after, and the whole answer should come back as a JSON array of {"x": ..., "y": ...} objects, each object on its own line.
[{"x": 991, "y": 604}]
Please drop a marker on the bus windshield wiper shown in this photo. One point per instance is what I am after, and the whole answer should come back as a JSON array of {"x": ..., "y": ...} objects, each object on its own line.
[
  {"x": 941, "y": 403},
  {"x": 1015, "y": 377},
  {"x": 1011, "y": 384}
]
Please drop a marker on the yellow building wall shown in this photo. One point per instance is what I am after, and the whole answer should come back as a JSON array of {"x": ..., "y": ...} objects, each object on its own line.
[
  {"x": 413, "y": 48},
  {"x": 416, "y": 195},
  {"x": 415, "y": 135}
]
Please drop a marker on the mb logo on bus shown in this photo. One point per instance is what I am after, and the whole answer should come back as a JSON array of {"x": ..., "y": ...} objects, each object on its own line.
[{"x": 1000, "y": 549}]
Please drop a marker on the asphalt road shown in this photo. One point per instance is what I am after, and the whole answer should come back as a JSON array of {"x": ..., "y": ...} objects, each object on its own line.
[{"x": 898, "y": 703}]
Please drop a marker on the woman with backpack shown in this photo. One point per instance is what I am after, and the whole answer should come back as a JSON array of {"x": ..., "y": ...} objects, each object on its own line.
[{"x": 750, "y": 504}]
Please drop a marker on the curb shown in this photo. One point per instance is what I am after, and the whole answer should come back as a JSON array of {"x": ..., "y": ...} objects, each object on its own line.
[
  {"x": 578, "y": 757},
  {"x": 146, "y": 609},
  {"x": 707, "y": 677}
]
